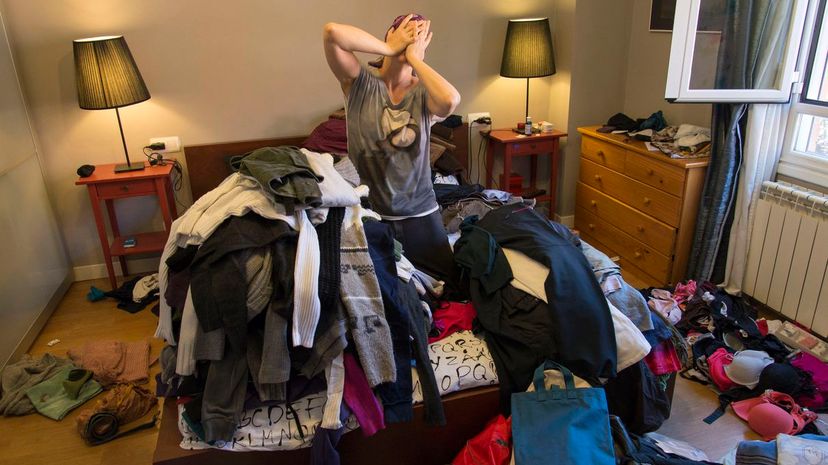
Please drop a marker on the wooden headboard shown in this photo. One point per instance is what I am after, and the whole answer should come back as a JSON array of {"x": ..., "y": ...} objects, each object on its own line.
[{"x": 207, "y": 163}]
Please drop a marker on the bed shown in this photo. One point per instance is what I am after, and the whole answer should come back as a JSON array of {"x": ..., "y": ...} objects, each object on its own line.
[{"x": 466, "y": 411}]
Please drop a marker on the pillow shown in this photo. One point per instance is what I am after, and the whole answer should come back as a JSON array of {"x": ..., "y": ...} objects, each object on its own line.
[{"x": 329, "y": 137}]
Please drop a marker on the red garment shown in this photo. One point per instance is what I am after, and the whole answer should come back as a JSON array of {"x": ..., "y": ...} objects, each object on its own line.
[
  {"x": 762, "y": 324},
  {"x": 684, "y": 292},
  {"x": 453, "y": 317},
  {"x": 819, "y": 373},
  {"x": 663, "y": 359},
  {"x": 717, "y": 362}
]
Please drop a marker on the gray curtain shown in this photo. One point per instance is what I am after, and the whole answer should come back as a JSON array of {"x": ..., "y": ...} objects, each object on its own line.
[{"x": 751, "y": 49}]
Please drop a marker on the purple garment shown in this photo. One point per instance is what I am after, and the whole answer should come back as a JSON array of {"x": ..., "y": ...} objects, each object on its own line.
[
  {"x": 819, "y": 372},
  {"x": 359, "y": 397}
]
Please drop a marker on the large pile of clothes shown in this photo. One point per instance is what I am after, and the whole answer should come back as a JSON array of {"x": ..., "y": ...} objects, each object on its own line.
[
  {"x": 761, "y": 368},
  {"x": 278, "y": 285}
]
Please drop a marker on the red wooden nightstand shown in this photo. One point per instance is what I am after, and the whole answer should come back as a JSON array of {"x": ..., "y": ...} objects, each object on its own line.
[
  {"x": 511, "y": 144},
  {"x": 104, "y": 184}
]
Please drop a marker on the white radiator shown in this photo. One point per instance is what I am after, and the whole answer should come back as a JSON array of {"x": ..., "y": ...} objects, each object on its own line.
[{"x": 788, "y": 254}]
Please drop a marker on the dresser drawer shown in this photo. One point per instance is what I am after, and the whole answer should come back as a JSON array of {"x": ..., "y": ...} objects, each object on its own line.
[
  {"x": 648, "y": 199},
  {"x": 654, "y": 233},
  {"x": 603, "y": 153},
  {"x": 529, "y": 147},
  {"x": 666, "y": 178},
  {"x": 126, "y": 188},
  {"x": 640, "y": 255}
]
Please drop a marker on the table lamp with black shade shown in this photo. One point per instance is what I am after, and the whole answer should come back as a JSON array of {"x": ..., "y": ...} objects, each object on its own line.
[
  {"x": 107, "y": 77},
  {"x": 528, "y": 51}
]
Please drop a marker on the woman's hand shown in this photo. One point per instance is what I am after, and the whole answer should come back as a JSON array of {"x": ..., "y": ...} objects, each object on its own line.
[
  {"x": 400, "y": 38},
  {"x": 416, "y": 50}
]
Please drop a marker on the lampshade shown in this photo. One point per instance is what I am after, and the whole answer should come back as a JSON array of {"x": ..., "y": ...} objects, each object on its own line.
[
  {"x": 106, "y": 74},
  {"x": 527, "y": 52}
]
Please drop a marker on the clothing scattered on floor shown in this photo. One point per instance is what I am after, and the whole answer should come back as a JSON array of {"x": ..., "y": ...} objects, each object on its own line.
[
  {"x": 20, "y": 376},
  {"x": 145, "y": 287},
  {"x": 114, "y": 361},
  {"x": 51, "y": 399},
  {"x": 114, "y": 413},
  {"x": 126, "y": 294}
]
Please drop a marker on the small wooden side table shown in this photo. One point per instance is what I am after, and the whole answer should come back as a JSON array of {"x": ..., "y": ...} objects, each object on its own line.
[
  {"x": 510, "y": 144},
  {"x": 104, "y": 184}
]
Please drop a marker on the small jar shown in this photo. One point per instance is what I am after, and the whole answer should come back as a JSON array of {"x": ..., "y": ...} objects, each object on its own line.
[{"x": 527, "y": 129}]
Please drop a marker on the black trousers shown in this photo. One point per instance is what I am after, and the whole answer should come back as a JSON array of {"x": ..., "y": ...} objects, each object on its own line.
[{"x": 426, "y": 245}]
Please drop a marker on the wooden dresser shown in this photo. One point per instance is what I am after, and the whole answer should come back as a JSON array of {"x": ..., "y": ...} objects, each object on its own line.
[{"x": 637, "y": 204}]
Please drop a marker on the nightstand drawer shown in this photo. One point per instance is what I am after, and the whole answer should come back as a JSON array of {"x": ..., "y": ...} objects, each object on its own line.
[
  {"x": 637, "y": 253},
  {"x": 650, "y": 172},
  {"x": 656, "y": 234},
  {"x": 126, "y": 188},
  {"x": 603, "y": 153},
  {"x": 659, "y": 204},
  {"x": 529, "y": 147}
]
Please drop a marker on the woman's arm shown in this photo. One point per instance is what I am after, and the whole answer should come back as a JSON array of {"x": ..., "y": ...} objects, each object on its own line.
[
  {"x": 342, "y": 40},
  {"x": 443, "y": 98}
]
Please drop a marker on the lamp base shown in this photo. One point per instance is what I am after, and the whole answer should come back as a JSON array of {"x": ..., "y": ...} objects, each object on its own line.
[{"x": 123, "y": 167}]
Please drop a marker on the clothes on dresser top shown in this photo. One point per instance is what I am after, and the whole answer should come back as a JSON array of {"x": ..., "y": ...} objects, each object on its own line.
[
  {"x": 16, "y": 378},
  {"x": 51, "y": 400},
  {"x": 581, "y": 320},
  {"x": 113, "y": 361},
  {"x": 359, "y": 397},
  {"x": 283, "y": 172},
  {"x": 360, "y": 292}
]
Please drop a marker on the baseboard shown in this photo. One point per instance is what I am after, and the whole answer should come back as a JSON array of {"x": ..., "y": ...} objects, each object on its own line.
[
  {"x": 566, "y": 220},
  {"x": 97, "y": 271},
  {"x": 34, "y": 330}
]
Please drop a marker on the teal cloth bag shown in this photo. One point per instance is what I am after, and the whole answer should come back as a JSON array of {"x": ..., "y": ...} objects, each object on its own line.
[{"x": 561, "y": 426}]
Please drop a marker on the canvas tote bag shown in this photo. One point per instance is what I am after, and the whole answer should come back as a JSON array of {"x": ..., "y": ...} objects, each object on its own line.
[{"x": 561, "y": 426}]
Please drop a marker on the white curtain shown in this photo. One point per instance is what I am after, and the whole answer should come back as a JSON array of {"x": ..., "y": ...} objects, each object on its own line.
[{"x": 763, "y": 144}]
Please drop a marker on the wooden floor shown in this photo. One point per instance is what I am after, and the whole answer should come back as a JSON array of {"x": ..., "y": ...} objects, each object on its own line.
[{"x": 35, "y": 440}]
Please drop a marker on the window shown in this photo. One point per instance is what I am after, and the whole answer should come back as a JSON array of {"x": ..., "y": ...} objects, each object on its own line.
[
  {"x": 726, "y": 51},
  {"x": 805, "y": 154}
]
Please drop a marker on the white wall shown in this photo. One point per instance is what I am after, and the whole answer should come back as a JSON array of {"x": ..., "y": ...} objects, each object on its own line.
[{"x": 224, "y": 71}]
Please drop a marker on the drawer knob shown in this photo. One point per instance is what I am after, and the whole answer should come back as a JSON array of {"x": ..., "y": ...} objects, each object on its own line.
[
  {"x": 125, "y": 188},
  {"x": 637, "y": 254},
  {"x": 593, "y": 203},
  {"x": 532, "y": 146},
  {"x": 600, "y": 153},
  {"x": 591, "y": 226},
  {"x": 598, "y": 177},
  {"x": 650, "y": 172},
  {"x": 640, "y": 228},
  {"x": 647, "y": 200}
]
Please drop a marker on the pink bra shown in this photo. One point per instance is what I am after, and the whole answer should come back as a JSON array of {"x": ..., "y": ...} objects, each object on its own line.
[{"x": 769, "y": 414}]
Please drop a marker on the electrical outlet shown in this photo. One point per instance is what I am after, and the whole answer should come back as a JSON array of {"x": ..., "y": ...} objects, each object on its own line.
[
  {"x": 171, "y": 143},
  {"x": 472, "y": 117}
]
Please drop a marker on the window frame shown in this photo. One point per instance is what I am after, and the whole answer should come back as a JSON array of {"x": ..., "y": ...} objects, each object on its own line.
[
  {"x": 681, "y": 61},
  {"x": 801, "y": 165}
]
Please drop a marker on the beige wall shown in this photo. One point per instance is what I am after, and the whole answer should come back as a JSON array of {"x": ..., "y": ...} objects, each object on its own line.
[
  {"x": 649, "y": 53},
  {"x": 223, "y": 71},
  {"x": 599, "y": 72}
]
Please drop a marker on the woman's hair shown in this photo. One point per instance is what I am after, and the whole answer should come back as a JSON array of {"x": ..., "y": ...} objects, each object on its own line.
[{"x": 377, "y": 63}]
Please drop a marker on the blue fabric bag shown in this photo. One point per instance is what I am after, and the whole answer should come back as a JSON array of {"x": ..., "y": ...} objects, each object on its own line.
[{"x": 561, "y": 426}]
